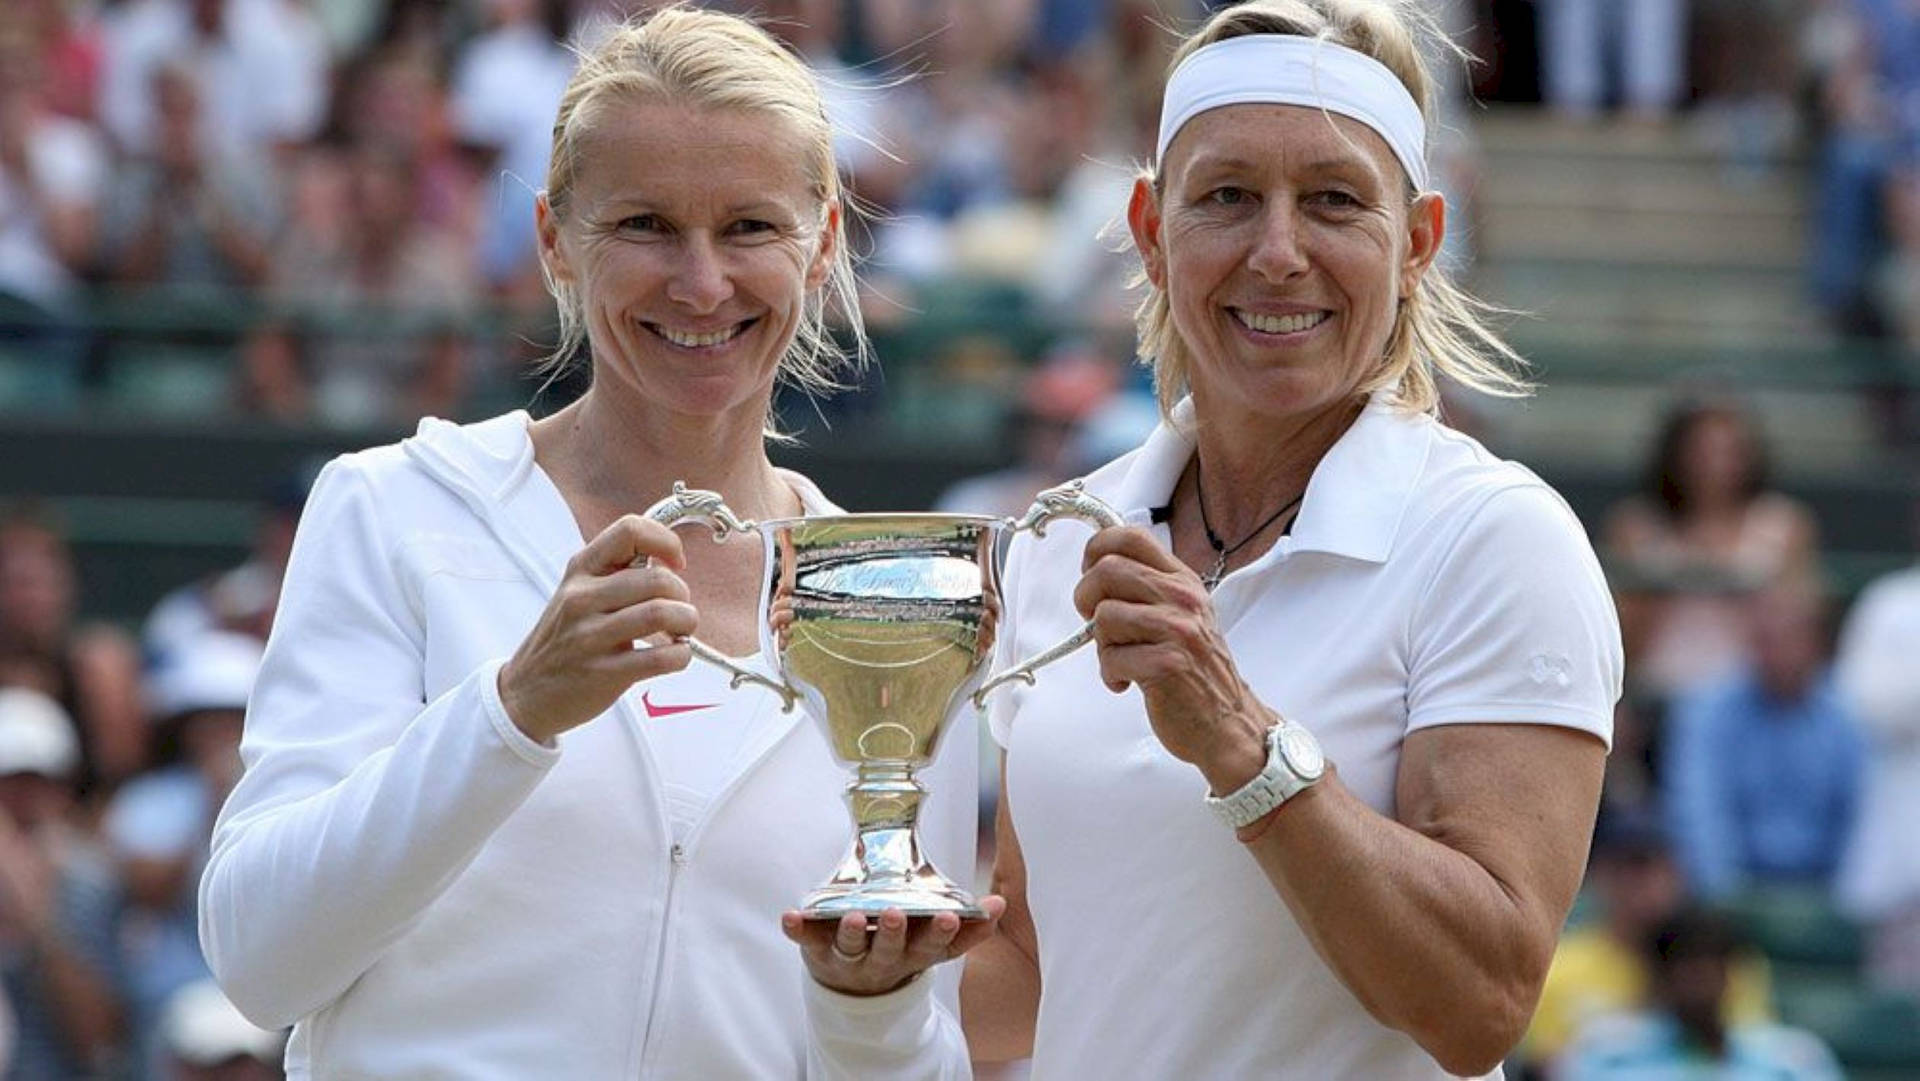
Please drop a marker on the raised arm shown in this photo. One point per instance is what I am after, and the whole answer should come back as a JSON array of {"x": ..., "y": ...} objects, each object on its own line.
[
  {"x": 361, "y": 801},
  {"x": 1439, "y": 911}
]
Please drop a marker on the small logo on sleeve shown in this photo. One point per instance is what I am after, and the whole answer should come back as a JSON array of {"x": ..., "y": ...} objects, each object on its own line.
[{"x": 1550, "y": 669}]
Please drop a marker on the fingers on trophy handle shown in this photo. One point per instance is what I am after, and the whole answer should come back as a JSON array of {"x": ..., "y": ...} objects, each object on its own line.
[
  {"x": 704, "y": 507},
  {"x": 1069, "y": 500}
]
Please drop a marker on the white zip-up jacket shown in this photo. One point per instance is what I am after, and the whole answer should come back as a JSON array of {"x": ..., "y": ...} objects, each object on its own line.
[{"x": 422, "y": 891}]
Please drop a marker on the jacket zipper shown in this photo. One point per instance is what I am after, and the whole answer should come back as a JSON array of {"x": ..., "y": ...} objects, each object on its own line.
[
  {"x": 676, "y": 859},
  {"x": 521, "y": 550}
]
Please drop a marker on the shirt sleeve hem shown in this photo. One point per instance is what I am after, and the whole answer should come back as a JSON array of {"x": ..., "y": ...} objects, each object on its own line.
[
  {"x": 530, "y": 750},
  {"x": 849, "y": 1015},
  {"x": 1557, "y": 716}
]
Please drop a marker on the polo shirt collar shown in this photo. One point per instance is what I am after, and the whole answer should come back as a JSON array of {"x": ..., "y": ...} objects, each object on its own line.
[{"x": 1355, "y": 500}]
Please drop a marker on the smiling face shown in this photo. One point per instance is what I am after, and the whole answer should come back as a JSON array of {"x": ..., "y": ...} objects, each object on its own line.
[
  {"x": 1284, "y": 239},
  {"x": 692, "y": 238}
]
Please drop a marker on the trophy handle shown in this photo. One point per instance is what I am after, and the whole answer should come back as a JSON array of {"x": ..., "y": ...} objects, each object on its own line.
[
  {"x": 1069, "y": 500},
  {"x": 707, "y": 508}
]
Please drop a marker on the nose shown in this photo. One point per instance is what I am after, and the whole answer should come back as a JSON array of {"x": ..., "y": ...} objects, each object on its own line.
[
  {"x": 699, "y": 280},
  {"x": 1278, "y": 251}
]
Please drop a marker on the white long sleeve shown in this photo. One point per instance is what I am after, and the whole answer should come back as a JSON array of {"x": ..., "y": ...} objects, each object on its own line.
[
  {"x": 908, "y": 1035},
  {"x": 1874, "y": 664},
  {"x": 361, "y": 802}
]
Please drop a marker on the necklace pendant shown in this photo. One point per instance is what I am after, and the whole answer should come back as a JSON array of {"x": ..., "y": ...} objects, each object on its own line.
[{"x": 1215, "y": 572}]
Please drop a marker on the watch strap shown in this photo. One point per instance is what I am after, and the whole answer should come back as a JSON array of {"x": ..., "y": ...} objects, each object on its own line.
[{"x": 1276, "y": 783}]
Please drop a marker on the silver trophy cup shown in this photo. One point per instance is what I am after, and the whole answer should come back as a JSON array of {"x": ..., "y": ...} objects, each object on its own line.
[{"x": 881, "y": 626}]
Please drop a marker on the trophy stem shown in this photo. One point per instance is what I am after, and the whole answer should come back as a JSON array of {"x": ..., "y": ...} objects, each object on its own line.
[{"x": 887, "y": 868}]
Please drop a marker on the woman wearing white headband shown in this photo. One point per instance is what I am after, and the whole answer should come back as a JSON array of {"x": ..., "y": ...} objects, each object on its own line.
[{"x": 1320, "y": 801}]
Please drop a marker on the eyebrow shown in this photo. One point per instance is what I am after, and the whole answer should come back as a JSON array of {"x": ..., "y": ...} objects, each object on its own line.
[
  {"x": 758, "y": 206},
  {"x": 1208, "y": 165},
  {"x": 636, "y": 203}
]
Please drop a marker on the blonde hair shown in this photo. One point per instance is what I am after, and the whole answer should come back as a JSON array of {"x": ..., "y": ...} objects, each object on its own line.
[
  {"x": 1438, "y": 330},
  {"x": 711, "y": 60}
]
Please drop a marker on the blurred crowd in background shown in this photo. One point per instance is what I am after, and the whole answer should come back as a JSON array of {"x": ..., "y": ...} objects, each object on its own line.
[
  {"x": 329, "y": 202},
  {"x": 319, "y": 212}
]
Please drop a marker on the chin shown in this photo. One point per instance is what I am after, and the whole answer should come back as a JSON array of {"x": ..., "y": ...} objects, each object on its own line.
[{"x": 716, "y": 397}]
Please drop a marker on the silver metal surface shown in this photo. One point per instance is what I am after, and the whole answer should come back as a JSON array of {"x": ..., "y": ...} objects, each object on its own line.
[
  {"x": 1069, "y": 500},
  {"x": 707, "y": 508},
  {"x": 882, "y": 625}
]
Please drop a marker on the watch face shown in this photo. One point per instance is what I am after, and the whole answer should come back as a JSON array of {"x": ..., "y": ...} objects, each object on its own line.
[{"x": 1302, "y": 752}]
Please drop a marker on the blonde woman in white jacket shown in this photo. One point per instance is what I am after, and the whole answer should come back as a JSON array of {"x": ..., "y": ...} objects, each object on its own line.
[{"x": 480, "y": 835}]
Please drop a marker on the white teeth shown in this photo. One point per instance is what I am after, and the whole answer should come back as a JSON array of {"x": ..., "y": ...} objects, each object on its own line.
[
  {"x": 696, "y": 341},
  {"x": 1280, "y": 324}
]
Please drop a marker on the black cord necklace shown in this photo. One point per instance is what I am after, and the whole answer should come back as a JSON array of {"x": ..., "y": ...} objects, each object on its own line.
[{"x": 1221, "y": 549}]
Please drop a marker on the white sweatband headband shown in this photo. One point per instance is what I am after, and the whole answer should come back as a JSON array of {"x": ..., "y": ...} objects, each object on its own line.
[{"x": 1287, "y": 69}]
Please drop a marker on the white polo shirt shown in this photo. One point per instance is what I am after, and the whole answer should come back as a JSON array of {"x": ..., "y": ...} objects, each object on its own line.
[{"x": 1425, "y": 582}]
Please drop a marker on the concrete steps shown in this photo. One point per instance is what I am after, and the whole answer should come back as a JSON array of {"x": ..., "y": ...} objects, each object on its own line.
[
  {"x": 1643, "y": 264},
  {"x": 1591, "y": 300}
]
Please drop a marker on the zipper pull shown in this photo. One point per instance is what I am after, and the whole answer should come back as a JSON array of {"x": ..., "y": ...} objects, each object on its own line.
[{"x": 678, "y": 855}]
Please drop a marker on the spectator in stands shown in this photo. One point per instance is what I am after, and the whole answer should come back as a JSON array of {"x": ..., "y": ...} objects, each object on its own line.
[
  {"x": 207, "y": 1039},
  {"x": 950, "y": 129},
  {"x": 394, "y": 104},
  {"x": 1048, "y": 135},
  {"x": 240, "y": 598},
  {"x": 1746, "y": 78},
  {"x": 445, "y": 743},
  {"x": 1761, "y": 772},
  {"x": 813, "y": 29},
  {"x": 376, "y": 330},
  {"x": 507, "y": 84},
  {"x": 71, "y": 55},
  {"x": 1685, "y": 1035},
  {"x": 189, "y": 216},
  {"x": 1706, "y": 529},
  {"x": 263, "y": 69},
  {"x": 1878, "y": 671},
  {"x": 1582, "y": 41},
  {"x": 92, "y": 670},
  {"x": 421, "y": 33},
  {"x": 1066, "y": 389},
  {"x": 58, "y": 903},
  {"x": 160, "y": 823},
  {"x": 1080, "y": 275},
  {"x": 1868, "y": 72},
  {"x": 1601, "y": 966},
  {"x": 52, "y": 172}
]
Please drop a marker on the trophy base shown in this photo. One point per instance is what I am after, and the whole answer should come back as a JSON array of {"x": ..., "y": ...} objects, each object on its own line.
[{"x": 928, "y": 897}]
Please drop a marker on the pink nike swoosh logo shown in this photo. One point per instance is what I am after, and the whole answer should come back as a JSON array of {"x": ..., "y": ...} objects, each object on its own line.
[{"x": 668, "y": 711}]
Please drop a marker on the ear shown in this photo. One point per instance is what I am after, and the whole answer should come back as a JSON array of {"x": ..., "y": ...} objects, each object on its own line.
[
  {"x": 552, "y": 255},
  {"x": 1143, "y": 220},
  {"x": 1426, "y": 231},
  {"x": 829, "y": 250}
]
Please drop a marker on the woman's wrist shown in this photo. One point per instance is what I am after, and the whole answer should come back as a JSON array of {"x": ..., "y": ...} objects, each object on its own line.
[
  {"x": 1258, "y": 828},
  {"x": 901, "y": 986},
  {"x": 1239, "y": 754},
  {"x": 517, "y": 710}
]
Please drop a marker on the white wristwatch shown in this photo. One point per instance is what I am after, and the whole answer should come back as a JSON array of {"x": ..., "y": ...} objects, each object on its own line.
[{"x": 1294, "y": 763}]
